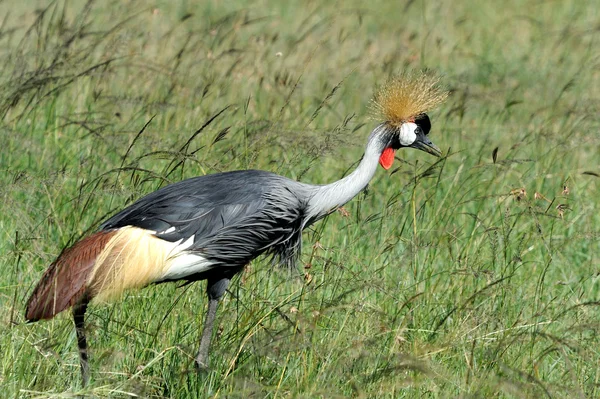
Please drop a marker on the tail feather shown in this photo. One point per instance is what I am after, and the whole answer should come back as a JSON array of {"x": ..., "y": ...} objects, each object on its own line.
[
  {"x": 102, "y": 267},
  {"x": 64, "y": 283}
]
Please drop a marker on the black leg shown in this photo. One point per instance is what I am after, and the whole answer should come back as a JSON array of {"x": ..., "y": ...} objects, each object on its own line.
[
  {"x": 215, "y": 290},
  {"x": 202, "y": 357},
  {"x": 78, "y": 318}
]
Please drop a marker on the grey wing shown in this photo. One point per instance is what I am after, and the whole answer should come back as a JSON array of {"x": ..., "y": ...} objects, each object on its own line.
[
  {"x": 198, "y": 206},
  {"x": 232, "y": 217},
  {"x": 275, "y": 229}
]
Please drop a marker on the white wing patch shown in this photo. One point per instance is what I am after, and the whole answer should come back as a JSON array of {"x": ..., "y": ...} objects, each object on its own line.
[
  {"x": 181, "y": 245},
  {"x": 170, "y": 229},
  {"x": 182, "y": 264},
  {"x": 186, "y": 264}
]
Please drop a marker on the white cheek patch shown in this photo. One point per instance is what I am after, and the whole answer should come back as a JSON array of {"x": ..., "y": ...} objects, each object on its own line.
[{"x": 407, "y": 133}]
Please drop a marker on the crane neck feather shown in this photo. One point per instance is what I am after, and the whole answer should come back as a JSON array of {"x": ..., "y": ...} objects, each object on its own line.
[{"x": 329, "y": 197}]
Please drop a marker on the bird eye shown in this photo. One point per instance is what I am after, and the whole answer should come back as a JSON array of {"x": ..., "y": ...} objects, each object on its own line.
[{"x": 424, "y": 123}]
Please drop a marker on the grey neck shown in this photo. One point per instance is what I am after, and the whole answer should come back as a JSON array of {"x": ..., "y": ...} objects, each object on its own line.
[{"x": 329, "y": 197}]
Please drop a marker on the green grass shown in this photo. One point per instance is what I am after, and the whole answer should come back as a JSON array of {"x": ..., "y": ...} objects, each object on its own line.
[{"x": 443, "y": 281}]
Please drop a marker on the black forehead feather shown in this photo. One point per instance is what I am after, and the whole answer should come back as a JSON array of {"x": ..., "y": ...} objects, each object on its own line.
[{"x": 423, "y": 122}]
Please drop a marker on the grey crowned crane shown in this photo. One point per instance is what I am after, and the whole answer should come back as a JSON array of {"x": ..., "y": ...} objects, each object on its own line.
[{"x": 209, "y": 227}]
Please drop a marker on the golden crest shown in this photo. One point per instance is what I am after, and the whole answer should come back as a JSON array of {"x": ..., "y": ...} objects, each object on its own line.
[{"x": 404, "y": 97}]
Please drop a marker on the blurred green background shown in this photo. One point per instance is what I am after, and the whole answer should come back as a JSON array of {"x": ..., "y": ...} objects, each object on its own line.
[{"x": 472, "y": 276}]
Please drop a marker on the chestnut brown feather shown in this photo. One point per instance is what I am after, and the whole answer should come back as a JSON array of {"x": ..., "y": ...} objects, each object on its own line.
[{"x": 64, "y": 283}]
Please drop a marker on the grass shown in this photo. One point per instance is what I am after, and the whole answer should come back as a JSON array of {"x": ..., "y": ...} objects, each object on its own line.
[{"x": 475, "y": 275}]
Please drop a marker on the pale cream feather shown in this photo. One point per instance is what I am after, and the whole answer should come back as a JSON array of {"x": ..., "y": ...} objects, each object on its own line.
[{"x": 133, "y": 258}]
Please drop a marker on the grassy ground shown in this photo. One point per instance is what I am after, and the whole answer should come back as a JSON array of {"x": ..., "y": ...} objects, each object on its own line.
[{"x": 476, "y": 275}]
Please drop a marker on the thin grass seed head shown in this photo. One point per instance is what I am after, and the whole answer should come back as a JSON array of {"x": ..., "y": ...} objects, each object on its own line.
[{"x": 404, "y": 97}]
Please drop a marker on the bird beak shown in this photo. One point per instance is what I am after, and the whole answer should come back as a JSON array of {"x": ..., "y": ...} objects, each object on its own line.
[{"x": 424, "y": 144}]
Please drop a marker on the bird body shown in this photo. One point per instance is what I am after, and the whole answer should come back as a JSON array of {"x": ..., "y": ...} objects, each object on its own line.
[
  {"x": 225, "y": 219},
  {"x": 186, "y": 229},
  {"x": 207, "y": 228},
  {"x": 180, "y": 232}
]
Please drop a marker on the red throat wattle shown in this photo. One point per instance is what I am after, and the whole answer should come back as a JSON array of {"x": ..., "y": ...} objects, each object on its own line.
[{"x": 387, "y": 158}]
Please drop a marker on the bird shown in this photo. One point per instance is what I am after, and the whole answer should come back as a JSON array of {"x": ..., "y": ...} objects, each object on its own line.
[{"x": 210, "y": 227}]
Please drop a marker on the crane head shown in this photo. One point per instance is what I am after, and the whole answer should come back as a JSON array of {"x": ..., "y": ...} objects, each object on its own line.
[{"x": 403, "y": 102}]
